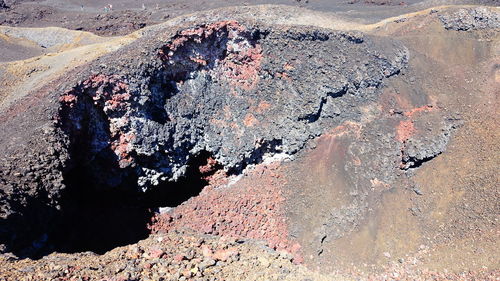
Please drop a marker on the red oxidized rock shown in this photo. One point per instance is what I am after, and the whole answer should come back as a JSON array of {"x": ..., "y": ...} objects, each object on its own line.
[
  {"x": 111, "y": 95},
  {"x": 179, "y": 257},
  {"x": 242, "y": 58},
  {"x": 156, "y": 253},
  {"x": 223, "y": 255},
  {"x": 405, "y": 130},
  {"x": 251, "y": 208},
  {"x": 207, "y": 252}
]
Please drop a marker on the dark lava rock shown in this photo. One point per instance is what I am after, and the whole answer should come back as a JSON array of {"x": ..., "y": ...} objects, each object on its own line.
[
  {"x": 428, "y": 145},
  {"x": 3, "y": 5},
  {"x": 471, "y": 19},
  {"x": 134, "y": 119}
]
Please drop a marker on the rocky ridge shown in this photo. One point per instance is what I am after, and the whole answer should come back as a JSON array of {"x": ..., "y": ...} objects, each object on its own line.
[
  {"x": 210, "y": 88},
  {"x": 471, "y": 19}
]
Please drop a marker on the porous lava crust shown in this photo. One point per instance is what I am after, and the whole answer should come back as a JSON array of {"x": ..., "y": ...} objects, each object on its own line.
[
  {"x": 133, "y": 119},
  {"x": 217, "y": 91}
]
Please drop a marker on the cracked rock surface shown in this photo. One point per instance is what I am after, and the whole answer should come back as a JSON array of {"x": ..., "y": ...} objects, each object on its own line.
[
  {"x": 227, "y": 89},
  {"x": 134, "y": 118}
]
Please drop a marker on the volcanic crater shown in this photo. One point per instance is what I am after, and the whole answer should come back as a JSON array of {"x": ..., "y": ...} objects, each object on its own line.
[{"x": 300, "y": 136}]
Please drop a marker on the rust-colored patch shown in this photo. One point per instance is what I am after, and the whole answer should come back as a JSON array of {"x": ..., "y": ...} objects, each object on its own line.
[
  {"x": 425, "y": 108},
  {"x": 250, "y": 120},
  {"x": 224, "y": 254},
  {"x": 356, "y": 161},
  {"x": 343, "y": 129},
  {"x": 199, "y": 33},
  {"x": 250, "y": 208},
  {"x": 283, "y": 75},
  {"x": 379, "y": 185},
  {"x": 122, "y": 149},
  {"x": 117, "y": 101},
  {"x": 288, "y": 67},
  {"x": 110, "y": 94},
  {"x": 405, "y": 130},
  {"x": 242, "y": 61},
  {"x": 263, "y": 106},
  {"x": 209, "y": 167},
  {"x": 199, "y": 61},
  {"x": 219, "y": 178},
  {"x": 242, "y": 68},
  {"x": 68, "y": 99}
]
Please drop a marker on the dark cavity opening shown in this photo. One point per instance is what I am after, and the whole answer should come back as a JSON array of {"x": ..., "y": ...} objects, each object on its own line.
[
  {"x": 99, "y": 220},
  {"x": 172, "y": 194}
]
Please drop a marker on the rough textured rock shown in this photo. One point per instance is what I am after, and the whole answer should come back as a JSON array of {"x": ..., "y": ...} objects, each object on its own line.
[
  {"x": 235, "y": 92},
  {"x": 187, "y": 255},
  {"x": 136, "y": 117},
  {"x": 428, "y": 144},
  {"x": 471, "y": 19},
  {"x": 237, "y": 208},
  {"x": 3, "y": 5}
]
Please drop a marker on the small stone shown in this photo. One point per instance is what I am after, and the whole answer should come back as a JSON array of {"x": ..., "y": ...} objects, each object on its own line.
[
  {"x": 194, "y": 270},
  {"x": 156, "y": 253},
  {"x": 223, "y": 255},
  {"x": 206, "y": 251},
  {"x": 179, "y": 257},
  {"x": 418, "y": 191},
  {"x": 187, "y": 273},
  {"x": 206, "y": 264}
]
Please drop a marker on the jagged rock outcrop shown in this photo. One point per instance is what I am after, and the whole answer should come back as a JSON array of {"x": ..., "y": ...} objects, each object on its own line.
[
  {"x": 471, "y": 19},
  {"x": 134, "y": 118},
  {"x": 235, "y": 92}
]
